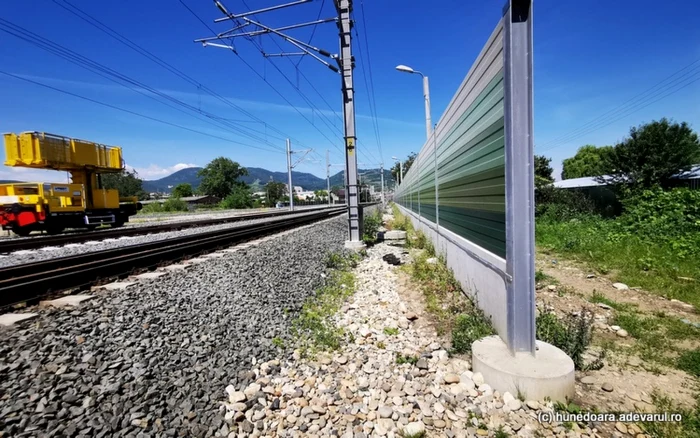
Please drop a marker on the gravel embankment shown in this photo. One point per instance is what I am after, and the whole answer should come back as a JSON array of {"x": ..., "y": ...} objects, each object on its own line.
[
  {"x": 154, "y": 359},
  {"x": 35, "y": 255}
]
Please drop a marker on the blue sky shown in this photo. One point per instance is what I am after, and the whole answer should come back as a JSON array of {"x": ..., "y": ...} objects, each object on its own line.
[{"x": 588, "y": 60}]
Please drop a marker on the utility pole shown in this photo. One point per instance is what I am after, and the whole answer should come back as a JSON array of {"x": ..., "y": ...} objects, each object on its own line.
[
  {"x": 289, "y": 175},
  {"x": 328, "y": 175},
  {"x": 346, "y": 64},
  {"x": 242, "y": 21}
]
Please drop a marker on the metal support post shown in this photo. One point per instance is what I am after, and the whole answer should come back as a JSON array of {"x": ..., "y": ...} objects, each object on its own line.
[
  {"x": 328, "y": 175},
  {"x": 437, "y": 184},
  {"x": 381, "y": 169},
  {"x": 346, "y": 64},
  {"x": 520, "y": 211},
  {"x": 426, "y": 97},
  {"x": 289, "y": 175}
]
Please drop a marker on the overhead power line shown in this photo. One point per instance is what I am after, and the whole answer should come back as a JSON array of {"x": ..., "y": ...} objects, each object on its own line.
[
  {"x": 677, "y": 81},
  {"x": 116, "y": 77},
  {"x": 80, "y": 13},
  {"x": 165, "y": 122}
]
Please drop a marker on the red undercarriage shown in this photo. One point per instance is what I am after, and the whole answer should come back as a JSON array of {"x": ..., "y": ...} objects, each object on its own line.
[{"x": 21, "y": 219}]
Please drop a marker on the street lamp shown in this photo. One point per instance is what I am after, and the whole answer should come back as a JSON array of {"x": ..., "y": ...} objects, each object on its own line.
[
  {"x": 400, "y": 169},
  {"x": 426, "y": 96}
]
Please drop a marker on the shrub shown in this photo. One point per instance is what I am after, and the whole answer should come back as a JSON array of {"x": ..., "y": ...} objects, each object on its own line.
[
  {"x": 175, "y": 204},
  {"x": 155, "y": 207},
  {"x": 240, "y": 198},
  {"x": 371, "y": 224},
  {"x": 689, "y": 362},
  {"x": 656, "y": 212},
  {"x": 561, "y": 205}
]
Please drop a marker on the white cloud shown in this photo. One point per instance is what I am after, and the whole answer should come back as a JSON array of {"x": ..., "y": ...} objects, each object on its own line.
[{"x": 154, "y": 171}]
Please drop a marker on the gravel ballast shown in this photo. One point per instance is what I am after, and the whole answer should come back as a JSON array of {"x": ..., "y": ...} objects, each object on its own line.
[
  {"x": 154, "y": 359},
  {"x": 35, "y": 255}
]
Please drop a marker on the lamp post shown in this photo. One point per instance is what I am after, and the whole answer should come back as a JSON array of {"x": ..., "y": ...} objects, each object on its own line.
[
  {"x": 400, "y": 169},
  {"x": 426, "y": 96}
]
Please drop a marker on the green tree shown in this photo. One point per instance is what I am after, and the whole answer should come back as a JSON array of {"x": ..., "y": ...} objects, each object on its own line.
[
  {"x": 240, "y": 197},
  {"x": 321, "y": 194},
  {"x": 182, "y": 190},
  {"x": 588, "y": 161},
  {"x": 652, "y": 155},
  {"x": 220, "y": 177},
  {"x": 127, "y": 183},
  {"x": 543, "y": 171},
  {"x": 275, "y": 192}
]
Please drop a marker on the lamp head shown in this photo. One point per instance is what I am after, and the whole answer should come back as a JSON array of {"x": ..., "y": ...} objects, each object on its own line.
[{"x": 404, "y": 68}]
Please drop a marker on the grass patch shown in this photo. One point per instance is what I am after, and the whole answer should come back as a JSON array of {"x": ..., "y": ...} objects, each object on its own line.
[
  {"x": 689, "y": 361},
  {"x": 689, "y": 426},
  {"x": 370, "y": 225},
  {"x": 573, "y": 335},
  {"x": 605, "y": 246},
  {"x": 314, "y": 329},
  {"x": 653, "y": 333}
]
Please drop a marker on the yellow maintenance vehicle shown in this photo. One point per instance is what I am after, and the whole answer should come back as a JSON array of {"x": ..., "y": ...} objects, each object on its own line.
[{"x": 50, "y": 207}]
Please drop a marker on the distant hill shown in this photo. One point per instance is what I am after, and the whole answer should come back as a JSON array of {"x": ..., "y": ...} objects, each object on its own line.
[
  {"x": 256, "y": 177},
  {"x": 368, "y": 177}
]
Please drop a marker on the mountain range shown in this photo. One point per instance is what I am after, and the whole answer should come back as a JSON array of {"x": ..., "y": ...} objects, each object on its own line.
[{"x": 258, "y": 177}]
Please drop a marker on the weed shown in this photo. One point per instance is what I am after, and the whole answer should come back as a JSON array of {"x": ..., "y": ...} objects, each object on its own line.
[
  {"x": 420, "y": 434},
  {"x": 468, "y": 328},
  {"x": 401, "y": 359},
  {"x": 541, "y": 277},
  {"x": 391, "y": 331},
  {"x": 520, "y": 395},
  {"x": 371, "y": 224},
  {"x": 573, "y": 336},
  {"x": 500, "y": 433},
  {"x": 381, "y": 345},
  {"x": 278, "y": 342}
]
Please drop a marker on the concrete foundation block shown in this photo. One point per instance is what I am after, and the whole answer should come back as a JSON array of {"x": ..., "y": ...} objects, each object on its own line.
[
  {"x": 550, "y": 373},
  {"x": 67, "y": 301},
  {"x": 9, "y": 319},
  {"x": 356, "y": 246},
  {"x": 395, "y": 235}
]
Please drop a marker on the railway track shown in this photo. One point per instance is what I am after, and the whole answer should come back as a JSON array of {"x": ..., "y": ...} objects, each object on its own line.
[
  {"x": 22, "y": 283},
  {"x": 16, "y": 244}
]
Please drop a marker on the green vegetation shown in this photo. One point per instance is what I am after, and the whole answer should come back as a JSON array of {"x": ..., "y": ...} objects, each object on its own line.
[
  {"x": 597, "y": 297},
  {"x": 654, "y": 244},
  {"x": 127, "y": 183},
  {"x": 500, "y": 433},
  {"x": 588, "y": 161},
  {"x": 541, "y": 277},
  {"x": 314, "y": 329},
  {"x": 689, "y": 361},
  {"x": 239, "y": 198},
  {"x": 220, "y": 177},
  {"x": 401, "y": 359},
  {"x": 573, "y": 335},
  {"x": 444, "y": 300},
  {"x": 371, "y": 223},
  {"x": 653, "y": 333},
  {"x": 689, "y": 426},
  {"x": 171, "y": 205},
  {"x": 391, "y": 331},
  {"x": 182, "y": 191}
]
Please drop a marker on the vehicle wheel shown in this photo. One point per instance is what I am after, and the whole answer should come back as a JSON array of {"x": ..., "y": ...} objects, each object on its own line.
[{"x": 22, "y": 231}]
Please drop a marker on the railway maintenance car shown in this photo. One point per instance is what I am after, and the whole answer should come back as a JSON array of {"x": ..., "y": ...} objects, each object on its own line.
[{"x": 52, "y": 207}]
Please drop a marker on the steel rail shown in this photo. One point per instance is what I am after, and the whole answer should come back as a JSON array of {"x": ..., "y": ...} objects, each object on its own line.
[
  {"x": 16, "y": 244},
  {"x": 27, "y": 282}
]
